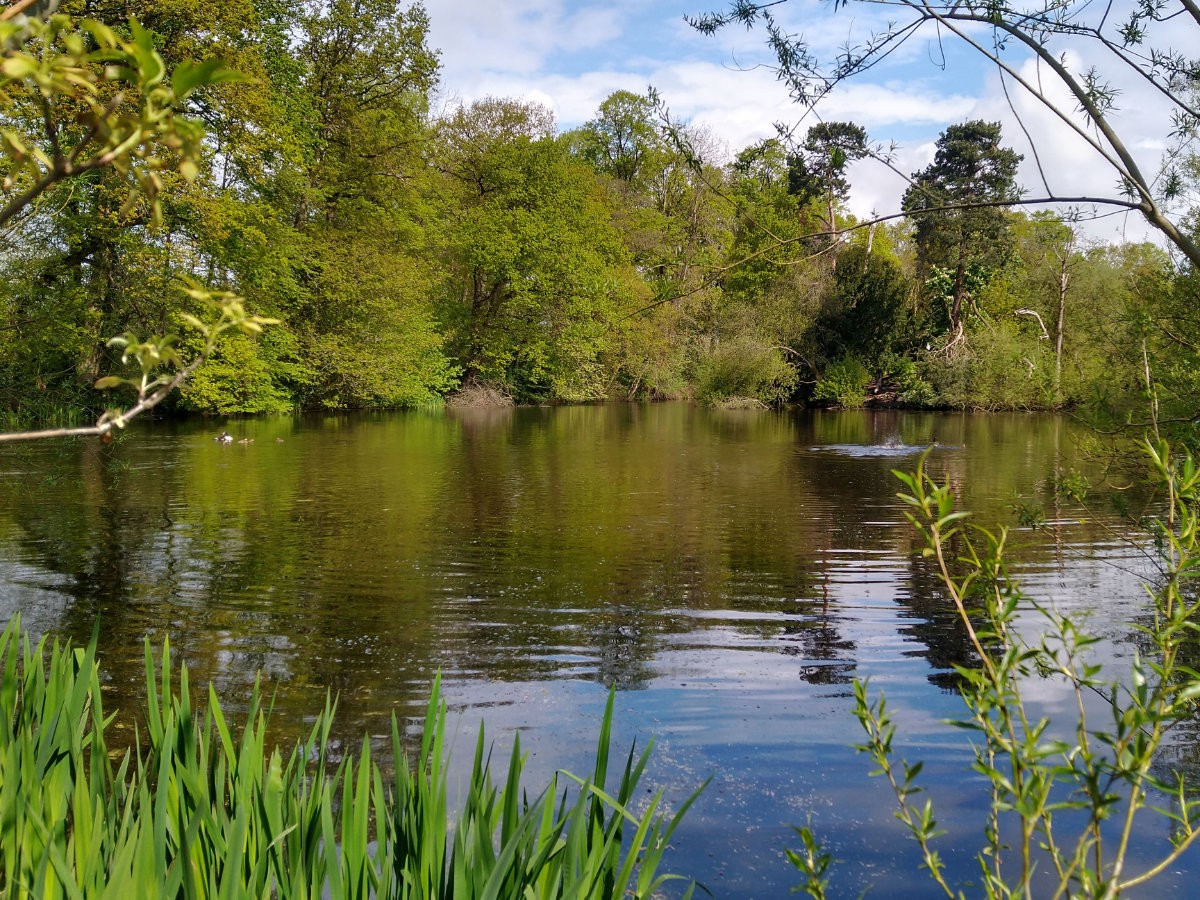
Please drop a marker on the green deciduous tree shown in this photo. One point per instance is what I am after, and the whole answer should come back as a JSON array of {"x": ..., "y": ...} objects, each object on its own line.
[
  {"x": 368, "y": 71},
  {"x": 665, "y": 192},
  {"x": 362, "y": 314},
  {"x": 772, "y": 291},
  {"x": 623, "y": 140},
  {"x": 536, "y": 277},
  {"x": 765, "y": 221},
  {"x": 317, "y": 212}
]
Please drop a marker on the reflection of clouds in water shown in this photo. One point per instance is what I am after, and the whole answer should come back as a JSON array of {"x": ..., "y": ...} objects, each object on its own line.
[
  {"x": 40, "y": 597},
  {"x": 1051, "y": 697},
  {"x": 270, "y": 654}
]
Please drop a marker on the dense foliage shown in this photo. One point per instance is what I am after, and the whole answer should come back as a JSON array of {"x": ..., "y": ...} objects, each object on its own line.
[
  {"x": 408, "y": 255},
  {"x": 202, "y": 811}
]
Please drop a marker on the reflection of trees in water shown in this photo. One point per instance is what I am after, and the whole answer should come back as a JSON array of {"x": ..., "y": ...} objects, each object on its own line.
[
  {"x": 612, "y": 549},
  {"x": 867, "y": 543},
  {"x": 487, "y": 485},
  {"x": 826, "y": 657},
  {"x": 991, "y": 458},
  {"x": 936, "y": 625},
  {"x": 875, "y": 427},
  {"x": 147, "y": 551},
  {"x": 510, "y": 545},
  {"x": 96, "y": 523}
]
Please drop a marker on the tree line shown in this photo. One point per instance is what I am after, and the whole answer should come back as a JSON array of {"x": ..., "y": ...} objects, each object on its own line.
[{"x": 409, "y": 252}]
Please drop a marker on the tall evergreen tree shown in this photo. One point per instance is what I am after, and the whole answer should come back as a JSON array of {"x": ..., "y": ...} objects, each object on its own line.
[
  {"x": 819, "y": 171},
  {"x": 957, "y": 206}
]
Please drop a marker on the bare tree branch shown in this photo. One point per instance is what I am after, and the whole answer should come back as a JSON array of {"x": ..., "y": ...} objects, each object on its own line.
[
  {"x": 16, "y": 9},
  {"x": 1036, "y": 315}
]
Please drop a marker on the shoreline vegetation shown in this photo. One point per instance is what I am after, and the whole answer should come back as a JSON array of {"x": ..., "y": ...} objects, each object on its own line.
[{"x": 387, "y": 251}]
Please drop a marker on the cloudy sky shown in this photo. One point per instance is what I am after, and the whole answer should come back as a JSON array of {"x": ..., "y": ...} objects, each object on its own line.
[{"x": 571, "y": 54}]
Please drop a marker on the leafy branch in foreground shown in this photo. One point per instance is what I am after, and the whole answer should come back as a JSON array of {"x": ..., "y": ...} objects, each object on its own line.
[
  {"x": 204, "y": 812},
  {"x": 77, "y": 98},
  {"x": 1064, "y": 805},
  {"x": 156, "y": 357}
]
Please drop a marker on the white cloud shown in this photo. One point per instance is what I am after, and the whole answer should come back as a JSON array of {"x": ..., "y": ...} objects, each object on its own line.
[
  {"x": 877, "y": 188},
  {"x": 482, "y": 38},
  {"x": 590, "y": 28},
  {"x": 474, "y": 37},
  {"x": 877, "y": 106}
]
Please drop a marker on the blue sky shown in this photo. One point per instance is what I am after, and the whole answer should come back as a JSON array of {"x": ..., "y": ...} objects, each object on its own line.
[{"x": 570, "y": 54}]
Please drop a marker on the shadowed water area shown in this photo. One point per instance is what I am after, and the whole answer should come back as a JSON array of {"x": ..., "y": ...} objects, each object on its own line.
[{"x": 729, "y": 572}]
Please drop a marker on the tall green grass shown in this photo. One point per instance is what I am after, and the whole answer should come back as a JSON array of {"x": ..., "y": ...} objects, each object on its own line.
[
  {"x": 34, "y": 413},
  {"x": 202, "y": 811}
]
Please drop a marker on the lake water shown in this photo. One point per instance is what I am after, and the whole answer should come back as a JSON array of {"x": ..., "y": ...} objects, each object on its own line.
[{"x": 730, "y": 573}]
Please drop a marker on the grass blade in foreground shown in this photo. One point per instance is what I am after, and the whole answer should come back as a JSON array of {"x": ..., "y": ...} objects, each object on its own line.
[{"x": 206, "y": 812}]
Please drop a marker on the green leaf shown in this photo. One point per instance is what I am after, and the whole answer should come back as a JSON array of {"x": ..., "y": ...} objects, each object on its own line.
[
  {"x": 18, "y": 67},
  {"x": 150, "y": 65},
  {"x": 188, "y": 169},
  {"x": 189, "y": 76},
  {"x": 104, "y": 35}
]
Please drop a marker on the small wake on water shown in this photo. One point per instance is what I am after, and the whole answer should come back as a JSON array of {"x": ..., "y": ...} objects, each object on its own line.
[{"x": 891, "y": 446}]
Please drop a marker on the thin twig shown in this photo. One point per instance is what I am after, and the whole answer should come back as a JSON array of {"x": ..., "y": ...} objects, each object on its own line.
[
  {"x": 109, "y": 421},
  {"x": 16, "y": 9}
]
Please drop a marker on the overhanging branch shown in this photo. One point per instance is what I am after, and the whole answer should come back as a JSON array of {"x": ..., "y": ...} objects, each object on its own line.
[{"x": 109, "y": 421}]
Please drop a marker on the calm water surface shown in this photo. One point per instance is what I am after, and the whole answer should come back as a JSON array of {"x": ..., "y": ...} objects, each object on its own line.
[{"x": 730, "y": 573}]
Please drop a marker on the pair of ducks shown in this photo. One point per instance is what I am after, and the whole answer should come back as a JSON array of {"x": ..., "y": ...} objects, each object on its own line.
[{"x": 226, "y": 438}]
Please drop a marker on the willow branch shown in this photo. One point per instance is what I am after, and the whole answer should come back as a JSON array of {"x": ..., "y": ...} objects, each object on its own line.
[
  {"x": 932, "y": 14},
  {"x": 1124, "y": 163},
  {"x": 1192, "y": 9},
  {"x": 18, "y": 203}
]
